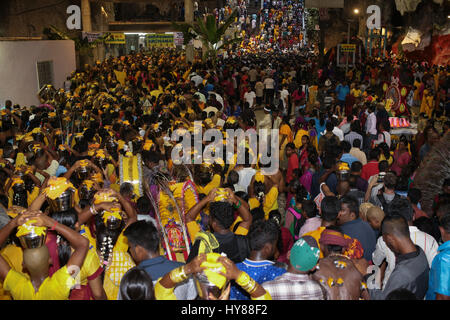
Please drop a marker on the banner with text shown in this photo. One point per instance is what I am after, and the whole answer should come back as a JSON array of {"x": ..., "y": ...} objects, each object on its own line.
[
  {"x": 161, "y": 40},
  {"x": 116, "y": 38}
]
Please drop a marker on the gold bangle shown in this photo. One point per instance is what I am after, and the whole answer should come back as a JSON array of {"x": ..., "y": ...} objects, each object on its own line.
[
  {"x": 246, "y": 282},
  {"x": 178, "y": 275}
]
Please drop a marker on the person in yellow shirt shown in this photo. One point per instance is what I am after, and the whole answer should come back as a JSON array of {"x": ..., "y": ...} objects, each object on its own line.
[
  {"x": 268, "y": 201},
  {"x": 427, "y": 105},
  {"x": 206, "y": 265},
  {"x": 222, "y": 202},
  {"x": 285, "y": 133},
  {"x": 36, "y": 284},
  {"x": 111, "y": 243}
]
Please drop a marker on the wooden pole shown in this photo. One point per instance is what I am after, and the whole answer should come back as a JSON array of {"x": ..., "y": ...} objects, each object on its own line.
[{"x": 189, "y": 18}]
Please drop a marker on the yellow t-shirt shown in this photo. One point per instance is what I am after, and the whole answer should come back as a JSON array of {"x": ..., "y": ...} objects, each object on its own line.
[
  {"x": 120, "y": 75},
  {"x": 13, "y": 256},
  {"x": 90, "y": 265},
  {"x": 56, "y": 287},
  {"x": 270, "y": 202},
  {"x": 121, "y": 262},
  {"x": 215, "y": 183}
]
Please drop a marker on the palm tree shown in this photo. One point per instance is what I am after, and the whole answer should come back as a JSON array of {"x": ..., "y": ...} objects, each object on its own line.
[{"x": 210, "y": 33}]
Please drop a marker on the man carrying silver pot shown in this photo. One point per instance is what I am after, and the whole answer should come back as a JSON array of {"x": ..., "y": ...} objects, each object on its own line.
[{"x": 38, "y": 285}]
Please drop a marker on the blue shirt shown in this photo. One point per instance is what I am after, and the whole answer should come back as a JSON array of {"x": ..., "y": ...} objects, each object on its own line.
[
  {"x": 260, "y": 271},
  {"x": 439, "y": 281},
  {"x": 362, "y": 231},
  {"x": 342, "y": 92},
  {"x": 347, "y": 157},
  {"x": 159, "y": 266}
]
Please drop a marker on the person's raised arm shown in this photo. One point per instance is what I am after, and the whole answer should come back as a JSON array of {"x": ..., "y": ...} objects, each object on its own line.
[
  {"x": 165, "y": 286},
  {"x": 4, "y": 234},
  {"x": 242, "y": 208},
  {"x": 79, "y": 243},
  {"x": 192, "y": 214},
  {"x": 373, "y": 183}
]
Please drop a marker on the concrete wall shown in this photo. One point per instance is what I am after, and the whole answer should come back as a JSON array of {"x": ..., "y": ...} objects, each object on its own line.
[{"x": 18, "y": 74}]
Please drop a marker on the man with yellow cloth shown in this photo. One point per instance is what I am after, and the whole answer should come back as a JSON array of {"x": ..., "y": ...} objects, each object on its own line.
[
  {"x": 222, "y": 202},
  {"x": 212, "y": 273},
  {"x": 36, "y": 284}
]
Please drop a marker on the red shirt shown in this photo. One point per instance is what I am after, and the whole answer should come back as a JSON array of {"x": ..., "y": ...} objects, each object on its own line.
[
  {"x": 369, "y": 169},
  {"x": 292, "y": 164}
]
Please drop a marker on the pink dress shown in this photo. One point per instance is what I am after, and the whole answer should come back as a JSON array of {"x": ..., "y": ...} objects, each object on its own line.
[{"x": 400, "y": 161}]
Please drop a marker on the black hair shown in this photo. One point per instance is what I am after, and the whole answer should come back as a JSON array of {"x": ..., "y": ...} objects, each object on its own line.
[
  {"x": 329, "y": 162},
  {"x": 330, "y": 207},
  {"x": 143, "y": 234},
  {"x": 143, "y": 205},
  {"x": 106, "y": 237},
  {"x": 136, "y": 284},
  {"x": 222, "y": 212},
  {"x": 356, "y": 166},
  {"x": 357, "y": 143},
  {"x": 329, "y": 127},
  {"x": 346, "y": 146},
  {"x": 309, "y": 208},
  {"x": 259, "y": 189},
  {"x": 374, "y": 154},
  {"x": 68, "y": 218},
  {"x": 352, "y": 204},
  {"x": 262, "y": 232},
  {"x": 383, "y": 166},
  {"x": 395, "y": 225},
  {"x": 233, "y": 178},
  {"x": 390, "y": 180},
  {"x": 301, "y": 194},
  {"x": 257, "y": 214},
  {"x": 444, "y": 222}
]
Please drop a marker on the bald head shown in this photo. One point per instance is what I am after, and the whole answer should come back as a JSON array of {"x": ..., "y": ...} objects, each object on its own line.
[{"x": 36, "y": 261}]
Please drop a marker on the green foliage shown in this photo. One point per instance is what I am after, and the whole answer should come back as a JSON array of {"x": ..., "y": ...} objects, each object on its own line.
[{"x": 211, "y": 34}]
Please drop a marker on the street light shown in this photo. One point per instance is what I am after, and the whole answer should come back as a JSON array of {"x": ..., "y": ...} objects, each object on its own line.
[{"x": 356, "y": 11}]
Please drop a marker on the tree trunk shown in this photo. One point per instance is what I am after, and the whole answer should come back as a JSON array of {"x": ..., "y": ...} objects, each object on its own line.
[{"x": 189, "y": 18}]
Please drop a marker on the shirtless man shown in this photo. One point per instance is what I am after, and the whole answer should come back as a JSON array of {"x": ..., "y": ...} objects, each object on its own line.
[{"x": 337, "y": 273}]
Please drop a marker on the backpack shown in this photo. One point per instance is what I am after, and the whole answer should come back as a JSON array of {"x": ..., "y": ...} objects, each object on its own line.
[
  {"x": 384, "y": 205},
  {"x": 296, "y": 225}
]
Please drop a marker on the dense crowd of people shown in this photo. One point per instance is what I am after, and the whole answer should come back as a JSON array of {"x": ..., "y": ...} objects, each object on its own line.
[{"x": 93, "y": 205}]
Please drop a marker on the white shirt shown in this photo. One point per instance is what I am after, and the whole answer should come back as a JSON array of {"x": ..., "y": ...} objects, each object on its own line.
[
  {"x": 197, "y": 79},
  {"x": 218, "y": 97},
  {"x": 283, "y": 95},
  {"x": 201, "y": 96},
  {"x": 250, "y": 97},
  {"x": 268, "y": 83},
  {"x": 371, "y": 124},
  {"x": 420, "y": 238},
  {"x": 338, "y": 132}
]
